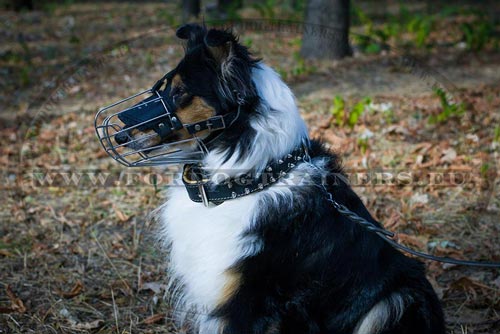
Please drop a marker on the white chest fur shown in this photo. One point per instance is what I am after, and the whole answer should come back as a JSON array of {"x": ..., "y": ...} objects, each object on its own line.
[{"x": 204, "y": 243}]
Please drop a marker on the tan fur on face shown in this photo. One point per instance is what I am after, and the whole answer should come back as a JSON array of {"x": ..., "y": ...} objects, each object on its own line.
[
  {"x": 195, "y": 112},
  {"x": 198, "y": 110},
  {"x": 176, "y": 81}
]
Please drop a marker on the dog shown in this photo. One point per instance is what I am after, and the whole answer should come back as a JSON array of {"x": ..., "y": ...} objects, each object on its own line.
[{"x": 254, "y": 244}]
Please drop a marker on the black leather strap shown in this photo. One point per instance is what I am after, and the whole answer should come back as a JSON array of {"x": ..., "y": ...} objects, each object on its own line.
[
  {"x": 200, "y": 189},
  {"x": 213, "y": 123}
]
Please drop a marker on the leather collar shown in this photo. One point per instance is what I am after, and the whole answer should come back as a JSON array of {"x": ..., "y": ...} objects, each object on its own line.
[{"x": 201, "y": 190}]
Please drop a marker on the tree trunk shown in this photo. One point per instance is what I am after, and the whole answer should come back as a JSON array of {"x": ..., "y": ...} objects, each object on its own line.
[
  {"x": 326, "y": 30},
  {"x": 190, "y": 8},
  {"x": 17, "y": 5}
]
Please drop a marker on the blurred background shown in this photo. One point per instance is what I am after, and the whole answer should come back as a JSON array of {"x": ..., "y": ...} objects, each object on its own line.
[{"x": 393, "y": 86}]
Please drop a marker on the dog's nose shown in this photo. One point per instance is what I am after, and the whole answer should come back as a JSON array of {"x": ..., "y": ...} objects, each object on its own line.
[{"x": 121, "y": 137}]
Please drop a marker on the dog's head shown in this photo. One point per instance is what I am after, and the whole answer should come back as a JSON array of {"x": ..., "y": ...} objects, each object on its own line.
[
  {"x": 218, "y": 106},
  {"x": 213, "y": 79}
]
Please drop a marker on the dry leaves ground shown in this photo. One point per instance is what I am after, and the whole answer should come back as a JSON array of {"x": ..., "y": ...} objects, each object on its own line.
[{"x": 82, "y": 258}]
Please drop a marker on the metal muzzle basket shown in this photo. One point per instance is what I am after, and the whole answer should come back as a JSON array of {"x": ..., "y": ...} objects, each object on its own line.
[{"x": 136, "y": 130}]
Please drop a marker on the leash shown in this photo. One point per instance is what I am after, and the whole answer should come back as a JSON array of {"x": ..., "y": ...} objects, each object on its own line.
[{"x": 390, "y": 237}]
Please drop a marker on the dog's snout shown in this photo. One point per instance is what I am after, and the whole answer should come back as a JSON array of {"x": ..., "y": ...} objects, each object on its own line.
[{"x": 122, "y": 137}]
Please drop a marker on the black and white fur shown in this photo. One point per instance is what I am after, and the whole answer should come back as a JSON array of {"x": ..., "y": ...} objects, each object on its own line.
[{"x": 281, "y": 260}]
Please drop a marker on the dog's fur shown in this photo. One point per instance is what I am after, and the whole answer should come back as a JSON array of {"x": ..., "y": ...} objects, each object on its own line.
[{"x": 281, "y": 260}]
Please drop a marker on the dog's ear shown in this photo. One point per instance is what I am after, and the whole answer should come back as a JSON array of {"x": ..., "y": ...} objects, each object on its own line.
[
  {"x": 188, "y": 31},
  {"x": 219, "y": 44}
]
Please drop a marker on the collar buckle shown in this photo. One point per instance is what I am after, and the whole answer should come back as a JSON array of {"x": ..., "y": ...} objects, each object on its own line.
[
  {"x": 192, "y": 178},
  {"x": 203, "y": 194}
]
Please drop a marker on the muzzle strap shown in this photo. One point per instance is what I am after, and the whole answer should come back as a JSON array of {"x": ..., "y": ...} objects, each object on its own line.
[{"x": 213, "y": 123}]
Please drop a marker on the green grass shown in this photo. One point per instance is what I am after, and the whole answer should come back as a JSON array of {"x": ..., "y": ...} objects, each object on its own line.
[
  {"x": 448, "y": 109},
  {"x": 421, "y": 27},
  {"x": 343, "y": 116},
  {"x": 477, "y": 34},
  {"x": 496, "y": 136},
  {"x": 338, "y": 110},
  {"x": 266, "y": 8}
]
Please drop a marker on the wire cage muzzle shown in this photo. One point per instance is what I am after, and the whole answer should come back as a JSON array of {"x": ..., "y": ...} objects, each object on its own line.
[{"x": 133, "y": 131}]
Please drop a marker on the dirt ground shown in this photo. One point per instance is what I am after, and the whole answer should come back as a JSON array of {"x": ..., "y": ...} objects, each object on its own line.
[{"x": 79, "y": 257}]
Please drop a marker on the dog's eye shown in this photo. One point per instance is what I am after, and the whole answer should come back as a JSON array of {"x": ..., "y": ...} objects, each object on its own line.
[
  {"x": 178, "y": 92},
  {"x": 181, "y": 97}
]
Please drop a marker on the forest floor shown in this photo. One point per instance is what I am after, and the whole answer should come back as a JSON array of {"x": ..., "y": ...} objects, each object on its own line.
[{"x": 80, "y": 257}]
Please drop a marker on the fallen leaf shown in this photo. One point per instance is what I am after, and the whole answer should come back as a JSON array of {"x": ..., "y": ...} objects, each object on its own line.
[
  {"x": 156, "y": 287},
  {"x": 470, "y": 285},
  {"x": 5, "y": 310},
  {"x": 121, "y": 216},
  {"x": 411, "y": 240},
  {"x": 75, "y": 290},
  {"x": 419, "y": 198},
  {"x": 326, "y": 123},
  {"x": 155, "y": 318},
  {"x": 17, "y": 305},
  {"x": 396, "y": 129},
  {"x": 6, "y": 253},
  {"x": 449, "y": 155},
  {"x": 472, "y": 137},
  {"x": 333, "y": 139}
]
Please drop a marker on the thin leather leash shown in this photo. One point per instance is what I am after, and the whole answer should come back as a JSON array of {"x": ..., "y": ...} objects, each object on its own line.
[{"x": 391, "y": 237}]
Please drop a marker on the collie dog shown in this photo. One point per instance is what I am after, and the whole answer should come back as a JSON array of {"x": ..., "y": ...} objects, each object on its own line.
[{"x": 268, "y": 253}]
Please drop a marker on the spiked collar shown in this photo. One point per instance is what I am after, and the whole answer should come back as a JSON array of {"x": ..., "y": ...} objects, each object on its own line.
[{"x": 202, "y": 190}]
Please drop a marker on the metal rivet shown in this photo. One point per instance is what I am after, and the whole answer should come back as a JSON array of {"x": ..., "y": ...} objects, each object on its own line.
[
  {"x": 269, "y": 169},
  {"x": 291, "y": 165},
  {"x": 174, "y": 119},
  {"x": 233, "y": 194},
  {"x": 272, "y": 179},
  {"x": 261, "y": 186},
  {"x": 229, "y": 185},
  {"x": 247, "y": 191},
  {"x": 280, "y": 161},
  {"x": 289, "y": 156},
  {"x": 197, "y": 127},
  {"x": 161, "y": 125}
]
